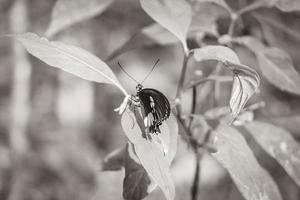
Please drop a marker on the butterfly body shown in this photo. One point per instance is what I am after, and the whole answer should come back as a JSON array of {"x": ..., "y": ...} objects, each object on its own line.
[{"x": 155, "y": 108}]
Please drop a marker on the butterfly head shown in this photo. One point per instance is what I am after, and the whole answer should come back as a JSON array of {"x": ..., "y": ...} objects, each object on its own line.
[{"x": 139, "y": 87}]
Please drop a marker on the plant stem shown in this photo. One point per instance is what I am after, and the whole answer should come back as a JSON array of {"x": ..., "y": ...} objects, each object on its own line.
[
  {"x": 194, "y": 105},
  {"x": 234, "y": 18},
  {"x": 195, "y": 193},
  {"x": 181, "y": 82}
]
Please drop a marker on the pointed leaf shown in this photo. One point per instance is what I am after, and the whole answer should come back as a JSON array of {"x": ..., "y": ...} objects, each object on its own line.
[
  {"x": 277, "y": 66},
  {"x": 234, "y": 154},
  {"x": 280, "y": 145},
  {"x": 149, "y": 152},
  {"x": 174, "y": 15},
  {"x": 66, "y": 13},
  {"x": 69, "y": 58}
]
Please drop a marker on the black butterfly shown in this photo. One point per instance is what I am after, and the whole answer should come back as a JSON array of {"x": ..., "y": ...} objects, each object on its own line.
[{"x": 154, "y": 105}]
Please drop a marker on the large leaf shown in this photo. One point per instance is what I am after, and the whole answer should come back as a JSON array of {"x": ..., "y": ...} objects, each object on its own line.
[
  {"x": 245, "y": 79},
  {"x": 69, "y": 58},
  {"x": 66, "y": 12},
  {"x": 151, "y": 153},
  {"x": 277, "y": 66},
  {"x": 234, "y": 154},
  {"x": 279, "y": 144},
  {"x": 288, "y": 5},
  {"x": 174, "y": 15}
]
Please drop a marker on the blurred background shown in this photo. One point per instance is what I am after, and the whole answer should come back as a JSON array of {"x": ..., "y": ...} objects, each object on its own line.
[{"x": 56, "y": 129}]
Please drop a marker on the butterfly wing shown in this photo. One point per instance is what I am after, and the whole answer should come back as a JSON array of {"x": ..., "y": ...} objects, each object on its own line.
[{"x": 155, "y": 108}]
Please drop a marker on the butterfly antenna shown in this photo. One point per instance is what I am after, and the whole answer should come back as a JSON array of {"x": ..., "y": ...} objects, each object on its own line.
[
  {"x": 127, "y": 73},
  {"x": 151, "y": 70}
]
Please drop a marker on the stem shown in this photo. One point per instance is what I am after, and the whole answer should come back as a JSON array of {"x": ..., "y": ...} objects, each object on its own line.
[
  {"x": 234, "y": 18},
  {"x": 195, "y": 193},
  {"x": 181, "y": 82},
  {"x": 194, "y": 105}
]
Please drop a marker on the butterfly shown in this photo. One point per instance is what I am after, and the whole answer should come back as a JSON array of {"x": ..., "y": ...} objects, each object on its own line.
[{"x": 154, "y": 105}]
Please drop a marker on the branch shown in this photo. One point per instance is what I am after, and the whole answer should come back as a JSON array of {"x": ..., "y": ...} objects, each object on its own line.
[
  {"x": 195, "y": 187},
  {"x": 181, "y": 82},
  {"x": 194, "y": 106}
]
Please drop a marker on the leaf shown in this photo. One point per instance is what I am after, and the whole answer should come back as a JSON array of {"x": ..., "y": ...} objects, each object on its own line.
[
  {"x": 221, "y": 3},
  {"x": 176, "y": 16},
  {"x": 66, "y": 13},
  {"x": 159, "y": 34},
  {"x": 245, "y": 79},
  {"x": 149, "y": 152},
  {"x": 115, "y": 160},
  {"x": 234, "y": 154},
  {"x": 137, "y": 183},
  {"x": 216, "y": 52},
  {"x": 288, "y": 5},
  {"x": 280, "y": 145},
  {"x": 150, "y": 35},
  {"x": 74, "y": 60},
  {"x": 277, "y": 66}
]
